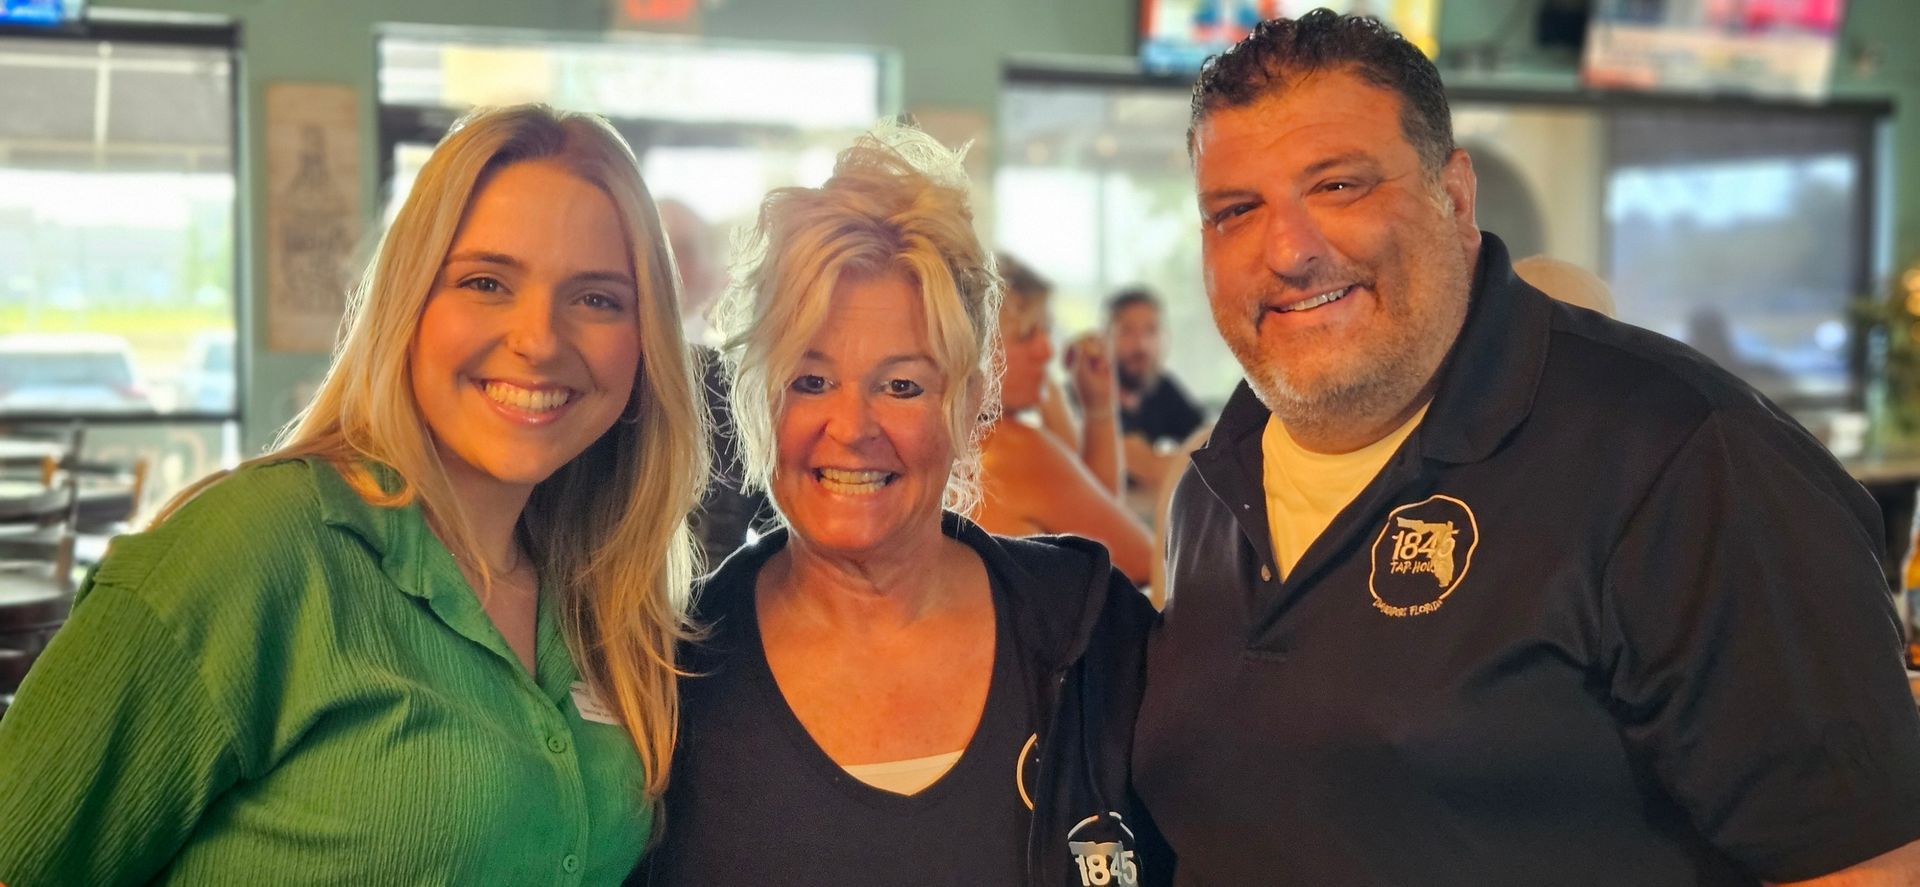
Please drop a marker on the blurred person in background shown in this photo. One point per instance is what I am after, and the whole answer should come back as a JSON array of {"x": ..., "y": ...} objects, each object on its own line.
[
  {"x": 1474, "y": 587},
  {"x": 1063, "y": 476},
  {"x": 1566, "y": 282},
  {"x": 1054, "y": 410},
  {"x": 429, "y": 639},
  {"x": 1160, "y": 424},
  {"x": 702, "y": 277},
  {"x": 728, "y": 510},
  {"x": 1156, "y": 414},
  {"x": 889, "y": 695}
]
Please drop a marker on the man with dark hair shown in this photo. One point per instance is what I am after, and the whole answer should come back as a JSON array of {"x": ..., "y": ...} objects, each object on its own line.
[
  {"x": 1156, "y": 415},
  {"x": 1154, "y": 409},
  {"x": 1470, "y": 587}
]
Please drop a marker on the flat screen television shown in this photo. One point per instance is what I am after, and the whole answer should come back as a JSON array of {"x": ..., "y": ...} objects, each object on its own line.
[
  {"x": 1176, "y": 36},
  {"x": 1781, "y": 48},
  {"x": 1744, "y": 229},
  {"x": 41, "y": 13}
]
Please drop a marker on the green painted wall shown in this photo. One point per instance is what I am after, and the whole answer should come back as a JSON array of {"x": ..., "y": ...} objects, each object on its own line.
[
  {"x": 949, "y": 55},
  {"x": 1878, "y": 59}
]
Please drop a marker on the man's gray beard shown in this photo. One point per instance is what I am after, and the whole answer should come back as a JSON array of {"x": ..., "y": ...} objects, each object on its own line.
[
  {"x": 1313, "y": 415},
  {"x": 1369, "y": 394}
]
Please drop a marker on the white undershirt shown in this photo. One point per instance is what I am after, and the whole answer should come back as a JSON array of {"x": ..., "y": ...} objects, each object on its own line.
[{"x": 908, "y": 777}]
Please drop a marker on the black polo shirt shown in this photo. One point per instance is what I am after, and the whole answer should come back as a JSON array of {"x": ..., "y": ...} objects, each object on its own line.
[{"x": 1608, "y": 617}]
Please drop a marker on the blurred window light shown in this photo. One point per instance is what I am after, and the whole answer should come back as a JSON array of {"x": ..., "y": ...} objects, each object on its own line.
[
  {"x": 117, "y": 228},
  {"x": 1716, "y": 195},
  {"x": 1094, "y": 192},
  {"x": 639, "y": 77},
  {"x": 1741, "y": 233},
  {"x": 715, "y": 125}
]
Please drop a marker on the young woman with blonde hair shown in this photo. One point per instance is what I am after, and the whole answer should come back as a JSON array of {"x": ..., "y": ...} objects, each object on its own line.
[{"x": 429, "y": 638}]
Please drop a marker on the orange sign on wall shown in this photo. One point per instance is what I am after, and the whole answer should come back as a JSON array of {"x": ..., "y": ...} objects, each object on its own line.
[{"x": 678, "y": 16}]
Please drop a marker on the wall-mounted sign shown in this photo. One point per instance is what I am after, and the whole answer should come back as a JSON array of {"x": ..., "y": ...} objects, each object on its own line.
[
  {"x": 313, "y": 211},
  {"x": 1781, "y": 48},
  {"x": 677, "y": 16}
]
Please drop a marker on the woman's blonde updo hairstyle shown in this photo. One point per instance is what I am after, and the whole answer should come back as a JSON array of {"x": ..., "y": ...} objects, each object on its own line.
[{"x": 896, "y": 203}]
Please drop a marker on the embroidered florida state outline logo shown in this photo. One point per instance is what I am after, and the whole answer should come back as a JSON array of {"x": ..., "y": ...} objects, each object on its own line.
[
  {"x": 1102, "y": 850},
  {"x": 1422, "y": 555}
]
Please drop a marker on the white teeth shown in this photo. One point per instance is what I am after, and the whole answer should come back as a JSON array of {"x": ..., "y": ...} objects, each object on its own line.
[
  {"x": 853, "y": 482},
  {"x": 1319, "y": 300},
  {"x": 525, "y": 399}
]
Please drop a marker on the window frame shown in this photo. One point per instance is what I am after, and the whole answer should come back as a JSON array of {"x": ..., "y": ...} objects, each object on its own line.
[{"x": 206, "y": 35}]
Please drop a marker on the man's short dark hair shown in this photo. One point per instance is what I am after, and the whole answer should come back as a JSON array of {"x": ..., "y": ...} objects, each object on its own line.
[
  {"x": 1129, "y": 297},
  {"x": 1281, "y": 50}
]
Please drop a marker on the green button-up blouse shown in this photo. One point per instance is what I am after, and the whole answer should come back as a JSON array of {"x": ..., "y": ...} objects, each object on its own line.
[{"x": 285, "y": 685}]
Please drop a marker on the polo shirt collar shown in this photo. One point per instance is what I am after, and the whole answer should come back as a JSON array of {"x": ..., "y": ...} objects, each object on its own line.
[
  {"x": 1490, "y": 376},
  {"x": 1231, "y": 465}
]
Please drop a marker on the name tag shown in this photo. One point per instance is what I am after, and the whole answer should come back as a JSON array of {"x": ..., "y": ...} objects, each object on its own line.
[{"x": 590, "y": 706}]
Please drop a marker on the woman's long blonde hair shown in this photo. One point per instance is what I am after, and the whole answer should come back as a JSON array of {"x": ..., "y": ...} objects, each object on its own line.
[
  {"x": 608, "y": 530},
  {"x": 896, "y": 203}
]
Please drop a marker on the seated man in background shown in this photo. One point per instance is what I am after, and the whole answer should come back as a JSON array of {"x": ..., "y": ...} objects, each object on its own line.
[{"x": 1156, "y": 414}]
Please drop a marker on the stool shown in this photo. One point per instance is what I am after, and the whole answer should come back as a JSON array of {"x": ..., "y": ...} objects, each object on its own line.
[
  {"x": 31, "y": 608},
  {"x": 13, "y": 669}
]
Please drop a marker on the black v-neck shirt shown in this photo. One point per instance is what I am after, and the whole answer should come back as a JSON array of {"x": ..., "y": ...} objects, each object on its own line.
[{"x": 755, "y": 800}]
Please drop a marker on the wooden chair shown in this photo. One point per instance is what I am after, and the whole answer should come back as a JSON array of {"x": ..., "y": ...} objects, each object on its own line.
[
  {"x": 108, "y": 495},
  {"x": 36, "y": 570}
]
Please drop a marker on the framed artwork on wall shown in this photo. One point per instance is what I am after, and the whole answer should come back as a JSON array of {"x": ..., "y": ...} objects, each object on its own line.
[{"x": 313, "y": 211}]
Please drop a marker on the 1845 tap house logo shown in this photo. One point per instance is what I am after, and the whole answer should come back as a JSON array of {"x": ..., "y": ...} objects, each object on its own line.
[{"x": 1422, "y": 555}]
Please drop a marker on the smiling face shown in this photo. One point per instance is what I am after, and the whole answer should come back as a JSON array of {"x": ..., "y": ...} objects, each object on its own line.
[
  {"x": 1337, "y": 268},
  {"x": 529, "y": 345},
  {"x": 862, "y": 449}
]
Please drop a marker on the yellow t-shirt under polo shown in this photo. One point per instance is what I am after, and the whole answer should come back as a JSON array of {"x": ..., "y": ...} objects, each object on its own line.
[{"x": 1306, "y": 490}]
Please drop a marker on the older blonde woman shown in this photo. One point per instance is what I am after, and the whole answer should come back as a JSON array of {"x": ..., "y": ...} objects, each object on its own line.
[
  {"x": 429, "y": 639},
  {"x": 888, "y": 694}
]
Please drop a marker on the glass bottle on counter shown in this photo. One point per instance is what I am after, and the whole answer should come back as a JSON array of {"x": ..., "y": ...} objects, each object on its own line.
[{"x": 1909, "y": 603}]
